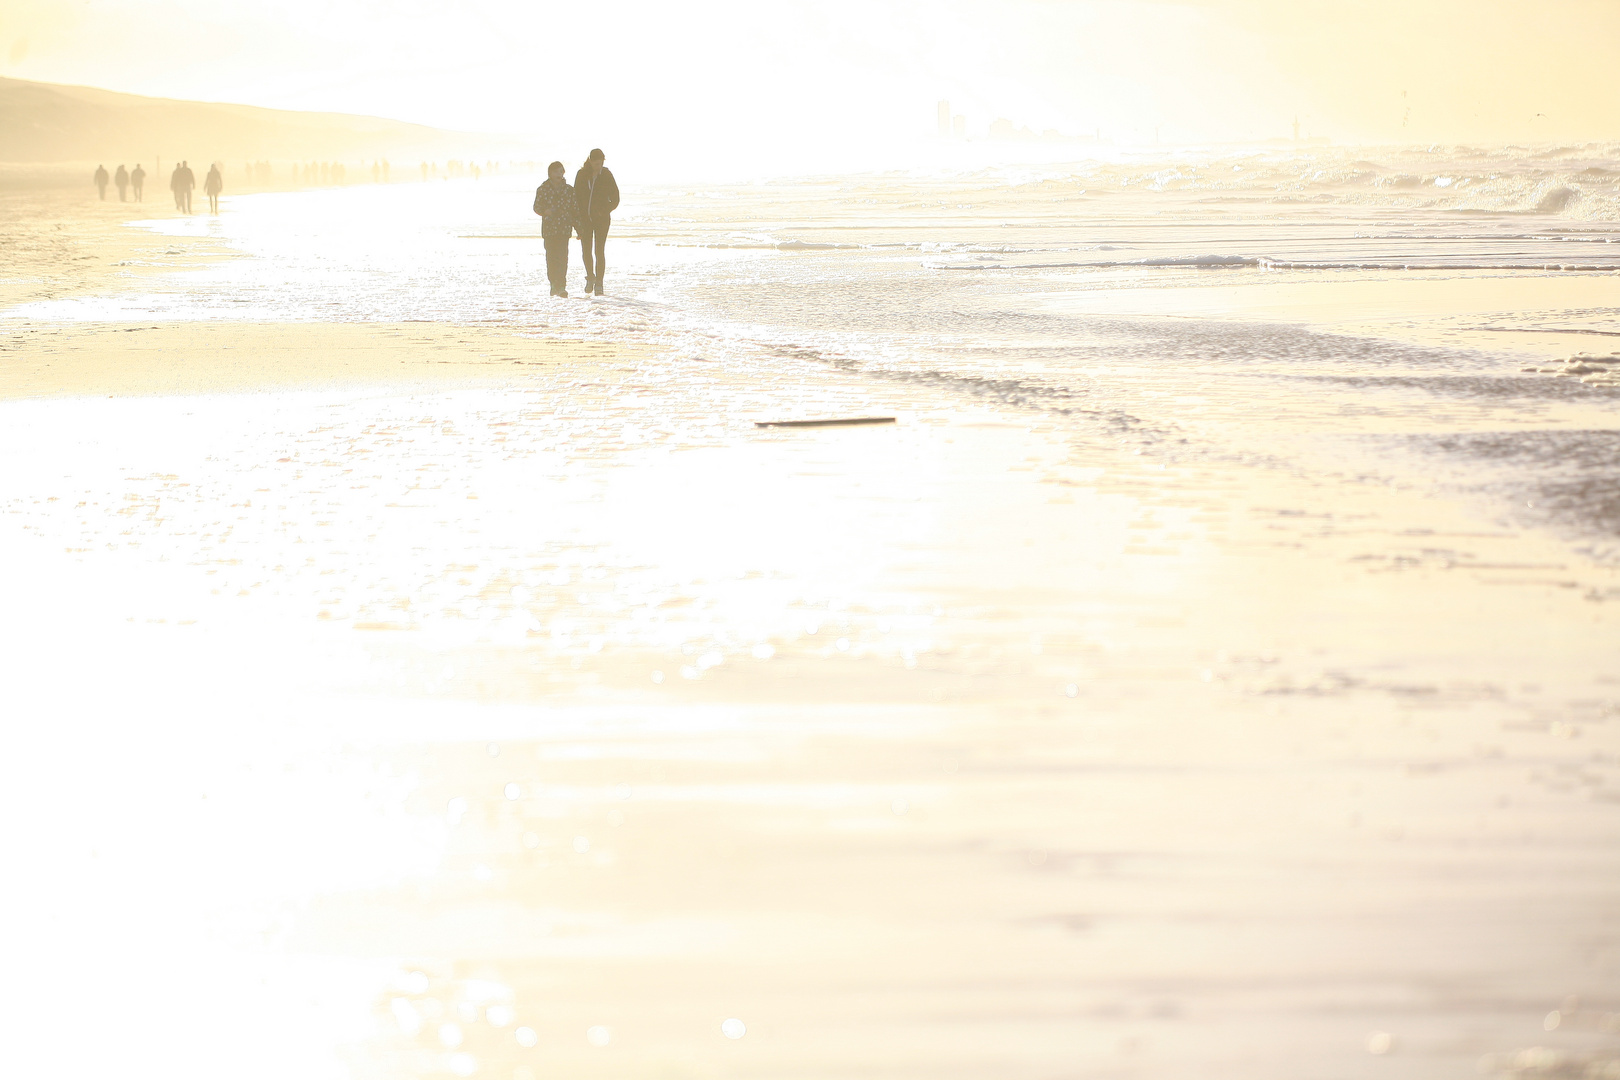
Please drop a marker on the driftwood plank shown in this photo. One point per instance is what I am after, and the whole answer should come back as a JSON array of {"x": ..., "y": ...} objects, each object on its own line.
[{"x": 846, "y": 422}]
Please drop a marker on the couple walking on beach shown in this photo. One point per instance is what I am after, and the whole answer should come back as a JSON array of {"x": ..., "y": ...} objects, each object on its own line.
[
  {"x": 586, "y": 207},
  {"x": 183, "y": 181}
]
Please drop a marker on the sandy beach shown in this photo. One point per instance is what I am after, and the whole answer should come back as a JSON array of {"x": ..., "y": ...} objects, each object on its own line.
[{"x": 448, "y": 698}]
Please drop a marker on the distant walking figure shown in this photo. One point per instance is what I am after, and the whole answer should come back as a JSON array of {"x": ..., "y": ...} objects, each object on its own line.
[
  {"x": 137, "y": 181},
  {"x": 121, "y": 179},
  {"x": 213, "y": 184},
  {"x": 185, "y": 183},
  {"x": 597, "y": 194},
  {"x": 174, "y": 186},
  {"x": 101, "y": 180},
  {"x": 554, "y": 202}
]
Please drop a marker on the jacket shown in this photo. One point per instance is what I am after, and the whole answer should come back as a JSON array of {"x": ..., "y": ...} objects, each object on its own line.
[
  {"x": 596, "y": 206},
  {"x": 554, "y": 202}
]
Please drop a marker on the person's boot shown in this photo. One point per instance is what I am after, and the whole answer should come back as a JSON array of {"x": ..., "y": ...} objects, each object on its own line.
[{"x": 597, "y": 287}]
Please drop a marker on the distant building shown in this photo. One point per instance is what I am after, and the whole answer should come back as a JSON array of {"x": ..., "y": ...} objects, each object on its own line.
[
  {"x": 944, "y": 119},
  {"x": 959, "y": 126}
]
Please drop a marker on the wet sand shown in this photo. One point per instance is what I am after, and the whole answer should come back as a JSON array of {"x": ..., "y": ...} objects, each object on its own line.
[{"x": 423, "y": 700}]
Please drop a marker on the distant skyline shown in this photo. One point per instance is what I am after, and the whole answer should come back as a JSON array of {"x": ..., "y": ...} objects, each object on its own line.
[{"x": 732, "y": 78}]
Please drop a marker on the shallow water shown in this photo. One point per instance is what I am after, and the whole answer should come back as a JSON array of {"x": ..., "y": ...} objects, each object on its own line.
[{"x": 1199, "y": 305}]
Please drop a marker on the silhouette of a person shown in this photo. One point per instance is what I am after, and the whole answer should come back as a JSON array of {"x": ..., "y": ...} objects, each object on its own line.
[
  {"x": 121, "y": 179},
  {"x": 213, "y": 184},
  {"x": 137, "y": 181},
  {"x": 597, "y": 194},
  {"x": 188, "y": 184},
  {"x": 559, "y": 211},
  {"x": 101, "y": 180},
  {"x": 174, "y": 186}
]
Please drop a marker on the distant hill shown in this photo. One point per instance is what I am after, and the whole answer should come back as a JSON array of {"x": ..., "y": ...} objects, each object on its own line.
[{"x": 46, "y": 123}]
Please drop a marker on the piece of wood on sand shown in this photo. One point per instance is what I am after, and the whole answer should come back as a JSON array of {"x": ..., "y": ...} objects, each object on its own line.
[{"x": 842, "y": 422}]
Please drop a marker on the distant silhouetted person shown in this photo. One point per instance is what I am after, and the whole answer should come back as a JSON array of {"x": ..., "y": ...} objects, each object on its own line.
[
  {"x": 101, "y": 180},
  {"x": 137, "y": 181},
  {"x": 559, "y": 212},
  {"x": 174, "y": 186},
  {"x": 121, "y": 181},
  {"x": 213, "y": 184},
  {"x": 597, "y": 194},
  {"x": 185, "y": 182}
]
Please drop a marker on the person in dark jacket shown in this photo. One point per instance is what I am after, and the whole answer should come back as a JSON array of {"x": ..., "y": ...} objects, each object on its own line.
[
  {"x": 554, "y": 202},
  {"x": 188, "y": 184},
  {"x": 597, "y": 194},
  {"x": 101, "y": 188}
]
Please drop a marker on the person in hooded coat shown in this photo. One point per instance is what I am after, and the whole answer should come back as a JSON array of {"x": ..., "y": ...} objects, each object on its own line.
[{"x": 554, "y": 202}]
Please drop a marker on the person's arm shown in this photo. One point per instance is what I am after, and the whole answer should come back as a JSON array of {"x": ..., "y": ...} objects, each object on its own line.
[
  {"x": 538, "y": 194},
  {"x": 612, "y": 193}
]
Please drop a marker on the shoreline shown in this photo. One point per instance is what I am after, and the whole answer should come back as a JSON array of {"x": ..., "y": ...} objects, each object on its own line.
[{"x": 79, "y": 360}]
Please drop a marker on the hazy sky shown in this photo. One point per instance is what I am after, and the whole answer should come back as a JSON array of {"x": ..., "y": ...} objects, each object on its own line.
[{"x": 744, "y": 74}]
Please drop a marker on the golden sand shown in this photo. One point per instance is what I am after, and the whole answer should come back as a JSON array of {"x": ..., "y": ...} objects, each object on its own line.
[{"x": 123, "y": 360}]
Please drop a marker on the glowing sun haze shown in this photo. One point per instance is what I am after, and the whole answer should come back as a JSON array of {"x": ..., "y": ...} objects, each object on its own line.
[{"x": 839, "y": 73}]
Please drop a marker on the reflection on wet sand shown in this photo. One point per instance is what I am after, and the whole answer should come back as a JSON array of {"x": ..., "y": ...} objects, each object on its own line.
[{"x": 536, "y": 714}]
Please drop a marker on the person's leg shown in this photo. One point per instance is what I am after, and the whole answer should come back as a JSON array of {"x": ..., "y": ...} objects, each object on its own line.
[
  {"x": 585, "y": 255},
  {"x": 557, "y": 264},
  {"x": 601, "y": 231}
]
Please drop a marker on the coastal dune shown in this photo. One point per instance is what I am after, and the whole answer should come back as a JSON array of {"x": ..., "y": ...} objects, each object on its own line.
[{"x": 47, "y": 122}]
